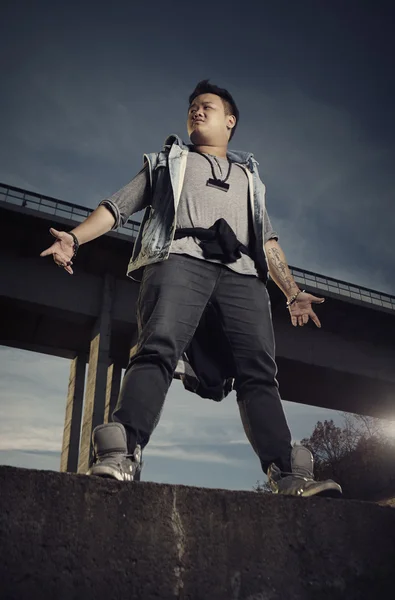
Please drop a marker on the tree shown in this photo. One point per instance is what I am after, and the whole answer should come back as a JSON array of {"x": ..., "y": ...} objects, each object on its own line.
[
  {"x": 359, "y": 455},
  {"x": 262, "y": 487},
  {"x": 328, "y": 443}
]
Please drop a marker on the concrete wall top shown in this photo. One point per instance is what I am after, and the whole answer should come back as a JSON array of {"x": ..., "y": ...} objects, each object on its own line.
[{"x": 68, "y": 537}]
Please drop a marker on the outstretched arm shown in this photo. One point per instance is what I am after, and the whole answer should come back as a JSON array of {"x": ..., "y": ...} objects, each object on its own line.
[
  {"x": 301, "y": 309},
  {"x": 279, "y": 270},
  {"x": 98, "y": 223},
  {"x": 110, "y": 214}
]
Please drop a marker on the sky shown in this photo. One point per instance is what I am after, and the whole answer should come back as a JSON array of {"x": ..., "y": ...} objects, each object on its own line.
[{"x": 87, "y": 88}]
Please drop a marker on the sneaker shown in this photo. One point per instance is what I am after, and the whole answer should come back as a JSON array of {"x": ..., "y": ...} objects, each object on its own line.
[
  {"x": 111, "y": 458},
  {"x": 300, "y": 482}
]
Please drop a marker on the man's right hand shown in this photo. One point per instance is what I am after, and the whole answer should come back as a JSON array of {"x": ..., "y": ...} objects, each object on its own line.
[{"x": 62, "y": 249}]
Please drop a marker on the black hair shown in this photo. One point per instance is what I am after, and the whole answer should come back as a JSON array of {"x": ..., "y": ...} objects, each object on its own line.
[{"x": 204, "y": 87}]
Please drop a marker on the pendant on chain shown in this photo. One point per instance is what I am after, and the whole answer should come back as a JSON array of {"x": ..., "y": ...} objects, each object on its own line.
[{"x": 218, "y": 184}]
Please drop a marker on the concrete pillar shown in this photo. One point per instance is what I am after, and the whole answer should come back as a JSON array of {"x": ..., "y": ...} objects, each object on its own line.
[
  {"x": 96, "y": 385},
  {"x": 114, "y": 373},
  {"x": 72, "y": 424}
]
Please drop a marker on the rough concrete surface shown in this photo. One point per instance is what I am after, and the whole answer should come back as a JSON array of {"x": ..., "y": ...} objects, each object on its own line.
[{"x": 71, "y": 537}]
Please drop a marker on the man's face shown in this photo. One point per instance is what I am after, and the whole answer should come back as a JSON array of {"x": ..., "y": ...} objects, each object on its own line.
[{"x": 207, "y": 122}]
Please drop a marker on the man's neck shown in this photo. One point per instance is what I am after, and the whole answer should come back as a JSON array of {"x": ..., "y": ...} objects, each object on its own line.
[{"x": 213, "y": 150}]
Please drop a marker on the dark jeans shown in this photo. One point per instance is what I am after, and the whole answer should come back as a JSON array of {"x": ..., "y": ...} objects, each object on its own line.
[{"x": 173, "y": 296}]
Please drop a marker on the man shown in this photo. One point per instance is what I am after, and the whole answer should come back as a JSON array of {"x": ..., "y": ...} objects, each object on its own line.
[{"x": 206, "y": 244}]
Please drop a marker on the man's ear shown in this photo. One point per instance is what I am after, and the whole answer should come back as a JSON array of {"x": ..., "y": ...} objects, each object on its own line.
[{"x": 231, "y": 121}]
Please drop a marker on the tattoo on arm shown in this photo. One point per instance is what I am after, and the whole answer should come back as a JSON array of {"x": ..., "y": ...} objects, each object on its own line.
[{"x": 280, "y": 271}]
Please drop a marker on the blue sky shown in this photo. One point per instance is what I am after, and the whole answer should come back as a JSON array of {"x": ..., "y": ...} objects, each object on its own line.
[{"x": 87, "y": 88}]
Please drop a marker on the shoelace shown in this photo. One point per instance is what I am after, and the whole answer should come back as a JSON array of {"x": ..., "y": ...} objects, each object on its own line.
[{"x": 133, "y": 459}]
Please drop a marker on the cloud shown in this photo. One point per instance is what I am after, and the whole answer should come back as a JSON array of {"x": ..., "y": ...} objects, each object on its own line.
[
  {"x": 25, "y": 437},
  {"x": 193, "y": 455},
  {"x": 76, "y": 120},
  {"x": 329, "y": 184},
  {"x": 33, "y": 390},
  {"x": 329, "y": 187},
  {"x": 192, "y": 430},
  {"x": 80, "y": 131},
  {"x": 80, "y": 138}
]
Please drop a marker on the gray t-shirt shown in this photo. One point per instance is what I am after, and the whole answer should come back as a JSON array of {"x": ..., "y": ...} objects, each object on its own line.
[{"x": 199, "y": 206}]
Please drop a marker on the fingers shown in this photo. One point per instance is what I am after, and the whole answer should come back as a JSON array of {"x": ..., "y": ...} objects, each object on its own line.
[
  {"x": 315, "y": 319},
  {"x": 67, "y": 268},
  {"x": 58, "y": 235},
  {"x": 54, "y": 249},
  {"x": 302, "y": 320},
  {"x": 64, "y": 264},
  {"x": 49, "y": 250},
  {"x": 61, "y": 258},
  {"x": 305, "y": 311}
]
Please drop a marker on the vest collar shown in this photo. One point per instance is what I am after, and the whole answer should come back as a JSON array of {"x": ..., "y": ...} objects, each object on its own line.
[{"x": 244, "y": 158}]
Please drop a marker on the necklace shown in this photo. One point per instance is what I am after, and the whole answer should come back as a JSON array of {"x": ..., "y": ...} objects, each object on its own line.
[{"x": 216, "y": 182}]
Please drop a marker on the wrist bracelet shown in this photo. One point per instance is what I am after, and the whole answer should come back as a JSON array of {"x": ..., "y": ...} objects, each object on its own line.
[
  {"x": 76, "y": 244},
  {"x": 293, "y": 298}
]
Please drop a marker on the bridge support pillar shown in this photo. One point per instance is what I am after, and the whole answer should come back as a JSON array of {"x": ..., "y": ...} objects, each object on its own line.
[
  {"x": 113, "y": 385},
  {"x": 72, "y": 425},
  {"x": 96, "y": 386}
]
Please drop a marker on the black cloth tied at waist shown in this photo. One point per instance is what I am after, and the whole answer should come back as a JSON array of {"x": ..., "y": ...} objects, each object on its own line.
[
  {"x": 218, "y": 242},
  {"x": 208, "y": 354}
]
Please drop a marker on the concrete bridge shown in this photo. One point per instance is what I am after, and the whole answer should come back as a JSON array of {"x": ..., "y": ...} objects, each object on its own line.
[{"x": 90, "y": 318}]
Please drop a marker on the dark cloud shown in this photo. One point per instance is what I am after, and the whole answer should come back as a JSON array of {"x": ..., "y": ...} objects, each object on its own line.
[
  {"x": 87, "y": 91},
  {"x": 88, "y": 87}
]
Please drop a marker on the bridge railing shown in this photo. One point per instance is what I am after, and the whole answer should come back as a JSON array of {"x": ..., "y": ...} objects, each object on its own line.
[
  {"x": 55, "y": 207},
  {"x": 336, "y": 286},
  {"x": 75, "y": 212}
]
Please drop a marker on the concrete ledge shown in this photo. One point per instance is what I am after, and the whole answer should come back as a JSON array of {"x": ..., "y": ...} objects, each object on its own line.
[{"x": 71, "y": 537}]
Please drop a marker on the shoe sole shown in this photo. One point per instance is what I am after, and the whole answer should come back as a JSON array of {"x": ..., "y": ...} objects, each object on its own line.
[
  {"x": 328, "y": 490},
  {"x": 106, "y": 472}
]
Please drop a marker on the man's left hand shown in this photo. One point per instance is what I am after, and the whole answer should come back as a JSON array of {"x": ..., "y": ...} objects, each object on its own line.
[{"x": 301, "y": 310}]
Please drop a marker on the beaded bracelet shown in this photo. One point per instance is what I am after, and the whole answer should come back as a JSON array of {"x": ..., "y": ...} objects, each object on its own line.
[
  {"x": 293, "y": 298},
  {"x": 76, "y": 244}
]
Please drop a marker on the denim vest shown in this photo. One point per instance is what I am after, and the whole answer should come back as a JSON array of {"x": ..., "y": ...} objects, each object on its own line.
[{"x": 166, "y": 173}]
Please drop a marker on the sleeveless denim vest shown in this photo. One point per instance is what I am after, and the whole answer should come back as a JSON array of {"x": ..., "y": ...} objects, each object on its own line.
[{"x": 166, "y": 175}]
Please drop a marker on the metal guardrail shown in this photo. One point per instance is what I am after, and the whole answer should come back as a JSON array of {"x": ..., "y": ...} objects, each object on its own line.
[
  {"x": 52, "y": 206},
  {"x": 342, "y": 288},
  {"x": 20, "y": 197}
]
